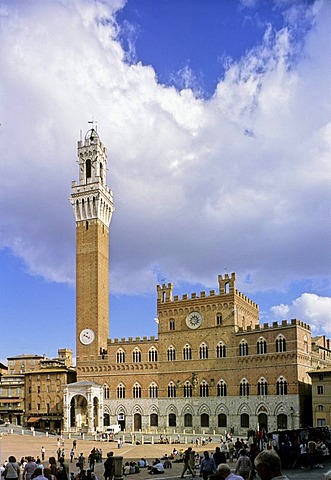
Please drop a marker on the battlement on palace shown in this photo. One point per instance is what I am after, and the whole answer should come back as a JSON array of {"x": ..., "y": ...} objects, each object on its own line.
[
  {"x": 275, "y": 325},
  {"x": 130, "y": 340},
  {"x": 226, "y": 287}
]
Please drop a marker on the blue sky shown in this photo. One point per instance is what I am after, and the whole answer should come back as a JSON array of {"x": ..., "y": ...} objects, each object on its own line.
[{"x": 216, "y": 117}]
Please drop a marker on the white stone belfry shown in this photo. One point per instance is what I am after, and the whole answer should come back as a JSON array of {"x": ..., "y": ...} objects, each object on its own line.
[{"x": 91, "y": 198}]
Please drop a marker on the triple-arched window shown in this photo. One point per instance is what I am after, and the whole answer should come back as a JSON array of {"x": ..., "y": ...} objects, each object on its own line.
[
  {"x": 243, "y": 348},
  {"x": 120, "y": 356},
  {"x": 171, "y": 353},
  {"x": 187, "y": 389},
  {"x": 244, "y": 388},
  {"x": 262, "y": 387},
  {"x": 221, "y": 389},
  {"x": 204, "y": 389},
  {"x": 261, "y": 346},
  {"x": 281, "y": 386},
  {"x": 136, "y": 355},
  {"x": 203, "y": 351},
  {"x": 280, "y": 344},
  {"x": 187, "y": 352},
  {"x": 171, "y": 390},
  {"x": 153, "y": 390},
  {"x": 220, "y": 350},
  {"x": 136, "y": 391},
  {"x": 120, "y": 391},
  {"x": 152, "y": 354}
]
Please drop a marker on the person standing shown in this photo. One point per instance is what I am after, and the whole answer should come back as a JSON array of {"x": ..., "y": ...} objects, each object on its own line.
[
  {"x": 109, "y": 466},
  {"x": 12, "y": 469},
  {"x": 207, "y": 466},
  {"x": 187, "y": 465},
  {"x": 219, "y": 457},
  {"x": 311, "y": 453},
  {"x": 268, "y": 466},
  {"x": 81, "y": 461},
  {"x": 29, "y": 468},
  {"x": 244, "y": 465},
  {"x": 43, "y": 452}
]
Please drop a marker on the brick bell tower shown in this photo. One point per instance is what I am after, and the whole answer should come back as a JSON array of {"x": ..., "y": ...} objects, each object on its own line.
[{"x": 92, "y": 202}]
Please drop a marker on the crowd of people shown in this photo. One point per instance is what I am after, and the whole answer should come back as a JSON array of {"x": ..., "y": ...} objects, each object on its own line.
[{"x": 232, "y": 459}]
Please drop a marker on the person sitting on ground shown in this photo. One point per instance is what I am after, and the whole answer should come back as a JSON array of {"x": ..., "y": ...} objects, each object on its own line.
[
  {"x": 157, "y": 467},
  {"x": 126, "y": 469},
  {"x": 268, "y": 466}
]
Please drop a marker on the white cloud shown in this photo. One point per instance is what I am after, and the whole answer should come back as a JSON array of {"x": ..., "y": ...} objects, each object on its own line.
[
  {"x": 310, "y": 308},
  {"x": 240, "y": 179}
]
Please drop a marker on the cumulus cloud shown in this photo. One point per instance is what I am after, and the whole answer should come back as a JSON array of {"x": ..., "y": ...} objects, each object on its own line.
[
  {"x": 310, "y": 308},
  {"x": 240, "y": 179}
]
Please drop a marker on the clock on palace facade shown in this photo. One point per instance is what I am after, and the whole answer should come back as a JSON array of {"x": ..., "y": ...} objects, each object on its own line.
[
  {"x": 194, "y": 320},
  {"x": 86, "y": 336}
]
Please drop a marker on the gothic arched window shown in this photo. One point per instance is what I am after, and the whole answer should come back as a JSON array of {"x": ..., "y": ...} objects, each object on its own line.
[
  {"x": 221, "y": 389},
  {"x": 153, "y": 390},
  {"x": 261, "y": 346},
  {"x": 136, "y": 355},
  {"x": 281, "y": 386},
  {"x": 120, "y": 356},
  {"x": 262, "y": 387},
  {"x": 121, "y": 391},
  {"x": 204, "y": 389},
  {"x": 244, "y": 388},
  {"x": 220, "y": 350},
  {"x": 171, "y": 390},
  {"x": 106, "y": 392},
  {"x": 171, "y": 353},
  {"x": 187, "y": 352},
  {"x": 187, "y": 389},
  {"x": 243, "y": 348},
  {"x": 203, "y": 351},
  {"x": 152, "y": 354},
  {"x": 280, "y": 344},
  {"x": 136, "y": 391}
]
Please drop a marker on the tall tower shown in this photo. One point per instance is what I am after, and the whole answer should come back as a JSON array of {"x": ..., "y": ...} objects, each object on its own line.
[{"x": 92, "y": 203}]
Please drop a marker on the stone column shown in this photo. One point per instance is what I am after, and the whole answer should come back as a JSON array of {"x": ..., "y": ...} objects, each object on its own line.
[{"x": 118, "y": 468}]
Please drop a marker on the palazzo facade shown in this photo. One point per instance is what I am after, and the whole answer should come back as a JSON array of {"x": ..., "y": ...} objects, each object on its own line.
[{"x": 213, "y": 366}]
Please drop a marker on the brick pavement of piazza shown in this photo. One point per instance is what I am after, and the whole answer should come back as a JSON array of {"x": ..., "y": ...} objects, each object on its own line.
[{"x": 20, "y": 445}]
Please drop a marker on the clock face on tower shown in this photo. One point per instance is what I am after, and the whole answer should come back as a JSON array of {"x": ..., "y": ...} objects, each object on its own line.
[
  {"x": 194, "y": 320},
  {"x": 86, "y": 336}
]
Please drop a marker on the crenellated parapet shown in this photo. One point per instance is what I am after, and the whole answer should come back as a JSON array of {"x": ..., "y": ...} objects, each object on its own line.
[
  {"x": 274, "y": 326},
  {"x": 130, "y": 340},
  {"x": 226, "y": 289},
  {"x": 246, "y": 299}
]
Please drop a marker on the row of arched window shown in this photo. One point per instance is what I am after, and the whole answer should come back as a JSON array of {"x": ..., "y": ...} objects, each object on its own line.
[
  {"x": 261, "y": 348},
  {"x": 204, "y": 420},
  {"x": 173, "y": 388},
  {"x": 136, "y": 355}
]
